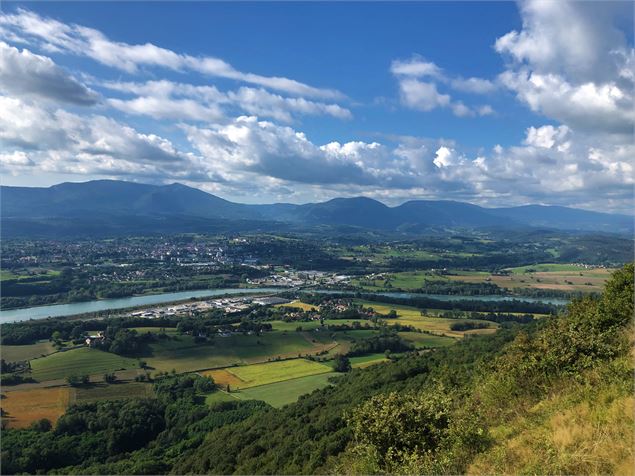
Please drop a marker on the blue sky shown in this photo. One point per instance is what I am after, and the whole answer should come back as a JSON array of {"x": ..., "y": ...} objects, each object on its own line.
[{"x": 495, "y": 103}]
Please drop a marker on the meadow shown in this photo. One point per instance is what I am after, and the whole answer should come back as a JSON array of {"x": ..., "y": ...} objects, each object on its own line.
[
  {"x": 116, "y": 391},
  {"x": 184, "y": 355},
  {"x": 556, "y": 277},
  {"x": 82, "y": 361},
  {"x": 364, "y": 361},
  {"x": 288, "y": 391},
  {"x": 23, "y": 407},
  {"x": 14, "y": 353},
  {"x": 411, "y": 316},
  {"x": 262, "y": 374}
]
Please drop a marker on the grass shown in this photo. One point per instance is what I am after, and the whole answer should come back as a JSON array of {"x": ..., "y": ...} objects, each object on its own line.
[
  {"x": 184, "y": 355},
  {"x": 367, "y": 360},
  {"x": 116, "y": 391},
  {"x": 545, "y": 267},
  {"x": 219, "y": 396},
  {"x": 45, "y": 274},
  {"x": 13, "y": 353},
  {"x": 24, "y": 407},
  {"x": 262, "y": 374},
  {"x": 421, "y": 340},
  {"x": 283, "y": 393},
  {"x": 406, "y": 280},
  {"x": 557, "y": 277},
  {"x": 299, "y": 304},
  {"x": 78, "y": 362},
  {"x": 579, "y": 431},
  {"x": 411, "y": 316}
]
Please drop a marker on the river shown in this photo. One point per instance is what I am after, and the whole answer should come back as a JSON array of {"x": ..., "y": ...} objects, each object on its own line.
[{"x": 61, "y": 310}]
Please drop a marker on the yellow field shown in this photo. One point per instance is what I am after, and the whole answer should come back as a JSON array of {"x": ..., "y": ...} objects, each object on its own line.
[
  {"x": 223, "y": 377},
  {"x": 299, "y": 304},
  {"x": 411, "y": 316},
  {"x": 261, "y": 374},
  {"x": 23, "y": 407}
]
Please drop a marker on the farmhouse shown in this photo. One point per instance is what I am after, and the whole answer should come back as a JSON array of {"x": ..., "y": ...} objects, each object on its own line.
[{"x": 92, "y": 340}]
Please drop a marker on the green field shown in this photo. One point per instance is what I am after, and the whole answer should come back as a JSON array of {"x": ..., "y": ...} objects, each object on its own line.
[
  {"x": 220, "y": 396},
  {"x": 282, "y": 393},
  {"x": 262, "y": 374},
  {"x": 545, "y": 268},
  {"x": 299, "y": 304},
  {"x": 557, "y": 277},
  {"x": 45, "y": 274},
  {"x": 366, "y": 360},
  {"x": 185, "y": 355},
  {"x": 421, "y": 340},
  {"x": 78, "y": 362},
  {"x": 408, "y": 315},
  {"x": 13, "y": 353},
  {"x": 116, "y": 391},
  {"x": 406, "y": 280}
]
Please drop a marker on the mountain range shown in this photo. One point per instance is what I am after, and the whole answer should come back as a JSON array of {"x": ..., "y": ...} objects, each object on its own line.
[{"x": 110, "y": 207}]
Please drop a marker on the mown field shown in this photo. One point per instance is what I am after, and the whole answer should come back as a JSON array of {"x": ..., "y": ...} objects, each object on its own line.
[
  {"x": 23, "y": 407},
  {"x": 557, "y": 277},
  {"x": 288, "y": 391},
  {"x": 367, "y": 360},
  {"x": 261, "y": 374},
  {"x": 411, "y": 316},
  {"x": 80, "y": 361},
  {"x": 184, "y": 355},
  {"x": 299, "y": 304},
  {"x": 116, "y": 391},
  {"x": 406, "y": 280},
  {"x": 13, "y": 353}
]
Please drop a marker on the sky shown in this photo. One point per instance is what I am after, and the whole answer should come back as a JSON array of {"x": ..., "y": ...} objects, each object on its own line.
[{"x": 494, "y": 103}]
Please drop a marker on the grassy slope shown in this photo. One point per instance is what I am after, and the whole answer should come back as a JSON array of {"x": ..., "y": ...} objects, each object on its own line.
[
  {"x": 12, "y": 353},
  {"x": 78, "y": 362},
  {"x": 184, "y": 355},
  {"x": 262, "y": 374},
  {"x": 577, "y": 429},
  {"x": 282, "y": 393}
]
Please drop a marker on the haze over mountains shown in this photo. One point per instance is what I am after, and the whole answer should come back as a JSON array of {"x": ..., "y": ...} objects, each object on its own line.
[{"x": 109, "y": 207}]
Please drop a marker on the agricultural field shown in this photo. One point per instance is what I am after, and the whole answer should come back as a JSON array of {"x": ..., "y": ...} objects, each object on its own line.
[
  {"x": 407, "y": 280},
  {"x": 557, "y": 277},
  {"x": 184, "y": 355},
  {"x": 23, "y": 407},
  {"x": 299, "y": 304},
  {"x": 422, "y": 340},
  {"x": 411, "y": 316},
  {"x": 14, "y": 353},
  {"x": 116, "y": 391},
  {"x": 291, "y": 326},
  {"x": 80, "y": 361},
  {"x": 31, "y": 273},
  {"x": 282, "y": 393},
  {"x": 261, "y": 374},
  {"x": 364, "y": 361}
]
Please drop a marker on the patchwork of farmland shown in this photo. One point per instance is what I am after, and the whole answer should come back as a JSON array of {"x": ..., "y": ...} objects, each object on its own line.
[{"x": 557, "y": 277}]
